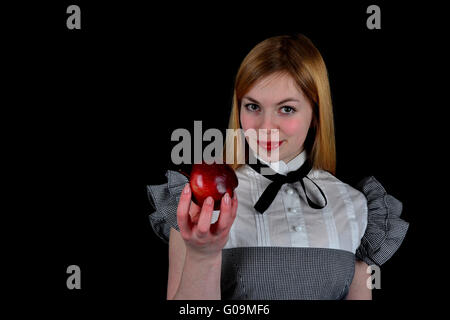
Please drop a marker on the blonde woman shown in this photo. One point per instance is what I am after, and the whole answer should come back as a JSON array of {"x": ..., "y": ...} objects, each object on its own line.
[{"x": 296, "y": 233}]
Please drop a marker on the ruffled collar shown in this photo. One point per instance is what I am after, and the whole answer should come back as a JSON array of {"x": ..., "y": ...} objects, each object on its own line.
[{"x": 282, "y": 167}]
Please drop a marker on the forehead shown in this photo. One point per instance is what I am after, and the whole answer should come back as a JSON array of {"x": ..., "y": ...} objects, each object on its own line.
[{"x": 274, "y": 88}]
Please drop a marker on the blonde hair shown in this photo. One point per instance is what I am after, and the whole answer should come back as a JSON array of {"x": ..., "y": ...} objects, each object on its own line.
[{"x": 297, "y": 56}]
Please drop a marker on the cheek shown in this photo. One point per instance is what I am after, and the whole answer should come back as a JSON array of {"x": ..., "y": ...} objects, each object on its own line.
[{"x": 295, "y": 128}]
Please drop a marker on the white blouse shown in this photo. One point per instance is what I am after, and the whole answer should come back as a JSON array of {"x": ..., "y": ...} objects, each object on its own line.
[
  {"x": 290, "y": 221},
  {"x": 293, "y": 251}
]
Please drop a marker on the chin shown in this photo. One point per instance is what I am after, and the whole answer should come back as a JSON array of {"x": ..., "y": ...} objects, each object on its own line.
[{"x": 273, "y": 158}]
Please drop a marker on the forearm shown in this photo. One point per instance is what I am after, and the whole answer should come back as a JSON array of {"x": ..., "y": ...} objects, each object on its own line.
[
  {"x": 200, "y": 279},
  {"x": 358, "y": 289}
]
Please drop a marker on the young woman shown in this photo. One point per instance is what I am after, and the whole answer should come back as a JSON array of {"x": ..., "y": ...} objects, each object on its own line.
[{"x": 298, "y": 233}]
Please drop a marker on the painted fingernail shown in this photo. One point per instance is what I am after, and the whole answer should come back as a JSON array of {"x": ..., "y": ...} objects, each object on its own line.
[
  {"x": 226, "y": 198},
  {"x": 187, "y": 189},
  {"x": 209, "y": 201}
]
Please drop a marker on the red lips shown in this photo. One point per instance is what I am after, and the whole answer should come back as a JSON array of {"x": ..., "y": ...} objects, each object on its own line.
[{"x": 270, "y": 145}]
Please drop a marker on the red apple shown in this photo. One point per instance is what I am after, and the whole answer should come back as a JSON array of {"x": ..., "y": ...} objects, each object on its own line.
[{"x": 212, "y": 180}]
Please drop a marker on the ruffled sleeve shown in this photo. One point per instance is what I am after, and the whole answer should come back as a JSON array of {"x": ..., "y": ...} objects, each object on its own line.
[
  {"x": 385, "y": 229},
  {"x": 164, "y": 200}
]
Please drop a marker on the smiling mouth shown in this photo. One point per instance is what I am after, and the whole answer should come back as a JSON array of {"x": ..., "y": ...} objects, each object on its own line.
[{"x": 270, "y": 145}]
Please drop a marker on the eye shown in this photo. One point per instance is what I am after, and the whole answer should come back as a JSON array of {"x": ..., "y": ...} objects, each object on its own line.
[
  {"x": 252, "y": 107},
  {"x": 287, "y": 109}
]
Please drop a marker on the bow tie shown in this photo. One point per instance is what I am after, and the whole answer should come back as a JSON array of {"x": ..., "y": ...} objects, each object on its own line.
[{"x": 278, "y": 180}]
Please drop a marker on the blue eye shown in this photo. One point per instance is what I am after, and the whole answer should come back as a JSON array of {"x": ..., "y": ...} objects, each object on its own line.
[
  {"x": 287, "y": 109},
  {"x": 252, "y": 107}
]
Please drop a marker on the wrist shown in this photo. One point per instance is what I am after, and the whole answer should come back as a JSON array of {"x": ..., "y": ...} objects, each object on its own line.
[{"x": 204, "y": 258}]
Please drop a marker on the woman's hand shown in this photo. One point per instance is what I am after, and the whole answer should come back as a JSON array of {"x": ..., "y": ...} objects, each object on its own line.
[{"x": 201, "y": 238}]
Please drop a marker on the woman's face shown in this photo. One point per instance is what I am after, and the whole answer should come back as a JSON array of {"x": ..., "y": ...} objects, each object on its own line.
[{"x": 276, "y": 102}]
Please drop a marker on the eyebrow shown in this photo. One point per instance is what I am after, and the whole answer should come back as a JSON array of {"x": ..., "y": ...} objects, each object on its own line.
[{"x": 281, "y": 102}]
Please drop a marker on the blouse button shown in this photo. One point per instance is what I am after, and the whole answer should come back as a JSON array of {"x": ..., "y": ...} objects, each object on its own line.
[
  {"x": 292, "y": 210},
  {"x": 289, "y": 191},
  {"x": 298, "y": 228}
]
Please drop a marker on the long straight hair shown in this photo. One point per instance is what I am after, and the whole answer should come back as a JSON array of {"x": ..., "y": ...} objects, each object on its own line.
[{"x": 297, "y": 56}]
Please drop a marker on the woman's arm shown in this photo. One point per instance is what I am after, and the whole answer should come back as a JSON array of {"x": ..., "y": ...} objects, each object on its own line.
[
  {"x": 195, "y": 253},
  {"x": 191, "y": 276},
  {"x": 358, "y": 289},
  {"x": 177, "y": 254}
]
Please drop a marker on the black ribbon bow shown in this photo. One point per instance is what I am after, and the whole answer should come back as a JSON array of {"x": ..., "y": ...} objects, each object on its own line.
[{"x": 278, "y": 180}]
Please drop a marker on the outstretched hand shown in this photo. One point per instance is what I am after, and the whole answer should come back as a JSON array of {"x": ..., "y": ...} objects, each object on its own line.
[{"x": 200, "y": 236}]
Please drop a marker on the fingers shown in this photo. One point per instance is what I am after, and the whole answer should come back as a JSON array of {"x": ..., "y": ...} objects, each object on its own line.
[
  {"x": 234, "y": 206},
  {"x": 204, "y": 221},
  {"x": 193, "y": 220},
  {"x": 183, "y": 218},
  {"x": 194, "y": 212},
  {"x": 228, "y": 211}
]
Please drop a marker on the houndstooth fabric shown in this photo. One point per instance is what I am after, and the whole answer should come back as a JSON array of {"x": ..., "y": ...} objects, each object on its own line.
[
  {"x": 274, "y": 272},
  {"x": 284, "y": 273},
  {"x": 385, "y": 229},
  {"x": 164, "y": 199}
]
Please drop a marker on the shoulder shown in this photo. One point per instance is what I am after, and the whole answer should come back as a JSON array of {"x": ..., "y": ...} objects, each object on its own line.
[
  {"x": 164, "y": 200},
  {"x": 345, "y": 198},
  {"x": 328, "y": 180}
]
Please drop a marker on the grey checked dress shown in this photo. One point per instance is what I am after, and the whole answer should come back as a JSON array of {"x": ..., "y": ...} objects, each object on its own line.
[{"x": 293, "y": 251}]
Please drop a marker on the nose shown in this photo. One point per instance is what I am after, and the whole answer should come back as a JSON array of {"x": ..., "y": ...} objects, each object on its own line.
[{"x": 270, "y": 123}]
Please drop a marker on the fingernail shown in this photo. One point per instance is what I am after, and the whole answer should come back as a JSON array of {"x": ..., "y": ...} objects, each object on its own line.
[
  {"x": 226, "y": 198},
  {"x": 209, "y": 201},
  {"x": 187, "y": 189}
]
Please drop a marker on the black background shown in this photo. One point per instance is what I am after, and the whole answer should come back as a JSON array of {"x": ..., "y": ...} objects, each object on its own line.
[{"x": 93, "y": 111}]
